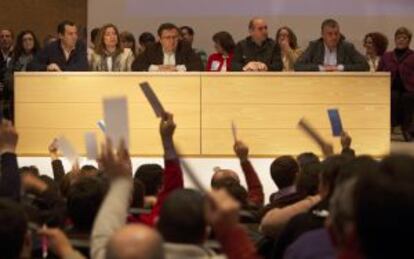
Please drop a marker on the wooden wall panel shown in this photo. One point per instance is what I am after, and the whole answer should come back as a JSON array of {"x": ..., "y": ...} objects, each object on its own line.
[
  {"x": 265, "y": 108},
  {"x": 41, "y": 16}
]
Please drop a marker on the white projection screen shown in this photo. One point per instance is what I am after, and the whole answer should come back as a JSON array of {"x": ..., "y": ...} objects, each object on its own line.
[{"x": 356, "y": 17}]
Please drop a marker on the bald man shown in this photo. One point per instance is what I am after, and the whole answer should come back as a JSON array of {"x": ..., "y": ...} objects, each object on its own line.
[
  {"x": 257, "y": 53},
  {"x": 135, "y": 241}
]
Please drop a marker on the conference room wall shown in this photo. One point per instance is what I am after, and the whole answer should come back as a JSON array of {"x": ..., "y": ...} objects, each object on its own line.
[
  {"x": 306, "y": 26},
  {"x": 41, "y": 16}
]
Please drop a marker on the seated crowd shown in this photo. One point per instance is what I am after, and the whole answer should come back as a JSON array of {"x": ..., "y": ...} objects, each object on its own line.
[{"x": 344, "y": 206}]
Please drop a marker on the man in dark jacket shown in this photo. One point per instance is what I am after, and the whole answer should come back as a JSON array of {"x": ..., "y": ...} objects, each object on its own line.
[
  {"x": 257, "y": 52},
  {"x": 331, "y": 53},
  {"x": 65, "y": 54},
  {"x": 169, "y": 54}
]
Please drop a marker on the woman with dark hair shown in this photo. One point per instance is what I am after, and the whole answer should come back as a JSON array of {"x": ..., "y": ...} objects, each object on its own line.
[
  {"x": 400, "y": 62},
  {"x": 224, "y": 45},
  {"x": 288, "y": 44},
  {"x": 128, "y": 42},
  {"x": 25, "y": 49},
  {"x": 375, "y": 44},
  {"x": 108, "y": 54}
]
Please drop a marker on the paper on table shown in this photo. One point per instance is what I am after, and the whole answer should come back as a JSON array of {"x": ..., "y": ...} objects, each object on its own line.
[
  {"x": 67, "y": 149},
  {"x": 152, "y": 99},
  {"x": 91, "y": 145},
  {"x": 116, "y": 120}
]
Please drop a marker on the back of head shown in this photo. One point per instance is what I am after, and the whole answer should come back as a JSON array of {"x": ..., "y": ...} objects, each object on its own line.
[
  {"x": 33, "y": 170},
  {"x": 384, "y": 209},
  {"x": 13, "y": 228},
  {"x": 146, "y": 38},
  {"x": 307, "y": 181},
  {"x": 94, "y": 35},
  {"x": 222, "y": 177},
  {"x": 135, "y": 241},
  {"x": 283, "y": 171},
  {"x": 234, "y": 188},
  {"x": 331, "y": 167},
  {"x": 151, "y": 176},
  {"x": 182, "y": 218},
  {"x": 89, "y": 170},
  {"x": 357, "y": 167},
  {"x": 84, "y": 200},
  {"x": 307, "y": 158}
]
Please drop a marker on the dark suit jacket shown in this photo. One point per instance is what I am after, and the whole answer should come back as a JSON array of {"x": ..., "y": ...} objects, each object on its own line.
[
  {"x": 53, "y": 53},
  {"x": 247, "y": 51},
  {"x": 154, "y": 55},
  {"x": 347, "y": 56},
  {"x": 404, "y": 66}
]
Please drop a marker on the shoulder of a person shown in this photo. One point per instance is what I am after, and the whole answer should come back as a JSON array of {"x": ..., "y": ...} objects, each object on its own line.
[{"x": 316, "y": 42}]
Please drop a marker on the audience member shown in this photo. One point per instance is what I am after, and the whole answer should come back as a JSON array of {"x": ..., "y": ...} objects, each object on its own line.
[
  {"x": 287, "y": 42},
  {"x": 257, "y": 52},
  {"x": 93, "y": 36},
  {"x": 187, "y": 35},
  {"x": 6, "y": 69},
  {"x": 128, "y": 42},
  {"x": 375, "y": 44},
  {"x": 169, "y": 54},
  {"x": 400, "y": 62},
  {"x": 145, "y": 39},
  {"x": 108, "y": 54},
  {"x": 65, "y": 54},
  {"x": 224, "y": 46},
  {"x": 25, "y": 49},
  {"x": 331, "y": 52},
  {"x": 151, "y": 176}
]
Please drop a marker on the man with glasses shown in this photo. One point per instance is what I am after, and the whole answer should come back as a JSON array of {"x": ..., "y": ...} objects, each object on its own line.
[
  {"x": 257, "y": 52},
  {"x": 169, "y": 54}
]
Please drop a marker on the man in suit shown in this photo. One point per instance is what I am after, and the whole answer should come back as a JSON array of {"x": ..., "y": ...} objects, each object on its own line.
[
  {"x": 66, "y": 54},
  {"x": 331, "y": 52},
  {"x": 257, "y": 52},
  {"x": 169, "y": 54}
]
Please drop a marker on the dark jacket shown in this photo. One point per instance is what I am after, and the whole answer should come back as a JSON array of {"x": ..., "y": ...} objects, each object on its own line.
[
  {"x": 53, "y": 53},
  {"x": 10, "y": 183},
  {"x": 405, "y": 66},
  {"x": 247, "y": 50},
  {"x": 347, "y": 56},
  {"x": 154, "y": 55}
]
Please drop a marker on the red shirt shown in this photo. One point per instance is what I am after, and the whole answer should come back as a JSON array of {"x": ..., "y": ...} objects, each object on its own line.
[{"x": 216, "y": 60}]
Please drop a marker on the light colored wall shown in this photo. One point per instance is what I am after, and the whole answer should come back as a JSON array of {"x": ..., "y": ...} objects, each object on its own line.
[{"x": 355, "y": 19}]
